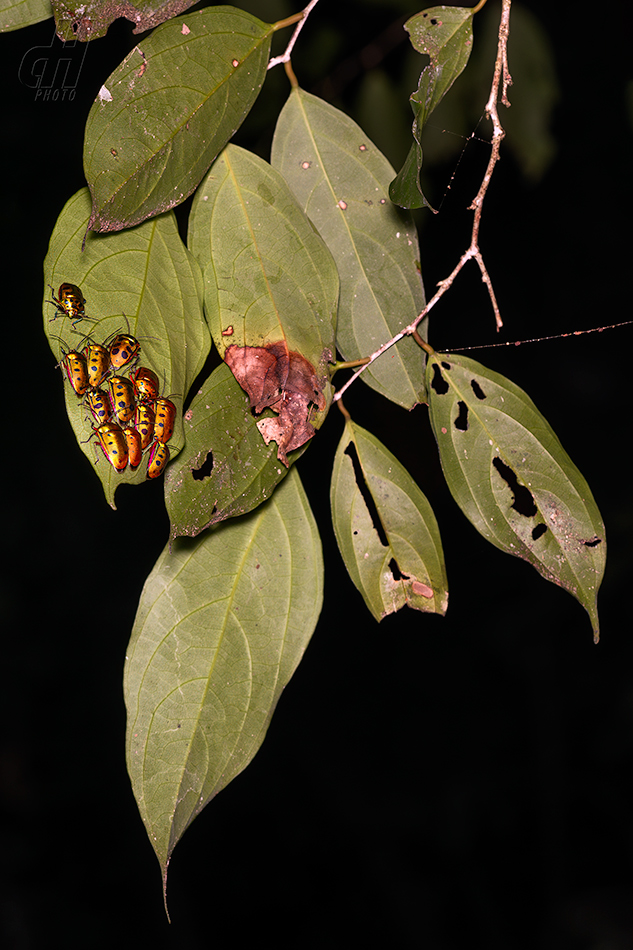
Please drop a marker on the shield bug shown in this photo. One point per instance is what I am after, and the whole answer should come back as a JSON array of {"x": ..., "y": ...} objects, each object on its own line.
[
  {"x": 98, "y": 360},
  {"x": 76, "y": 369},
  {"x": 122, "y": 395},
  {"x": 134, "y": 446},
  {"x": 158, "y": 458},
  {"x": 100, "y": 404},
  {"x": 144, "y": 422},
  {"x": 123, "y": 349},
  {"x": 114, "y": 444},
  {"x": 146, "y": 385},
  {"x": 165, "y": 420},
  {"x": 70, "y": 302}
]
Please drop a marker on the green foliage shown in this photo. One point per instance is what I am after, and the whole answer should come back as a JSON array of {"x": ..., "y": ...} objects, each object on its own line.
[
  {"x": 393, "y": 553},
  {"x": 286, "y": 263},
  {"x": 144, "y": 282},
  {"x": 512, "y": 478},
  {"x": 341, "y": 181},
  {"x": 189, "y": 87},
  {"x": 222, "y": 624}
]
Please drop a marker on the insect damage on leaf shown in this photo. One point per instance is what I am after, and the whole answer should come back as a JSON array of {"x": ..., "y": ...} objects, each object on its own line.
[{"x": 277, "y": 378}]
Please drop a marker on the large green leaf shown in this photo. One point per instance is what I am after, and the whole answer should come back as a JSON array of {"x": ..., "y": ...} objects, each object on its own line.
[
  {"x": 446, "y": 35},
  {"x": 144, "y": 282},
  {"x": 271, "y": 285},
  {"x": 226, "y": 469},
  {"x": 342, "y": 181},
  {"x": 222, "y": 624},
  {"x": 385, "y": 528},
  {"x": 164, "y": 114},
  {"x": 512, "y": 478}
]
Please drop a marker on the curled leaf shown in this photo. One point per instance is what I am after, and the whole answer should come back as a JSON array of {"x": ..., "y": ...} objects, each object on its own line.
[{"x": 445, "y": 34}]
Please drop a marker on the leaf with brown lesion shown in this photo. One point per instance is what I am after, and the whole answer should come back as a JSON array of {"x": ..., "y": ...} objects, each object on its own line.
[{"x": 277, "y": 378}]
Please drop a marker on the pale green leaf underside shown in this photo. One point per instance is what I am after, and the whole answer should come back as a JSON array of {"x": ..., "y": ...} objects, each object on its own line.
[
  {"x": 341, "y": 180},
  {"x": 418, "y": 577},
  {"x": 144, "y": 282},
  {"x": 222, "y": 624},
  {"x": 268, "y": 274},
  {"x": 244, "y": 472},
  {"x": 15, "y": 14},
  {"x": 494, "y": 444},
  {"x": 166, "y": 112}
]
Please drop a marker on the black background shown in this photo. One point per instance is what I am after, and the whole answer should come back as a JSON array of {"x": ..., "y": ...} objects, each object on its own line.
[{"x": 426, "y": 782}]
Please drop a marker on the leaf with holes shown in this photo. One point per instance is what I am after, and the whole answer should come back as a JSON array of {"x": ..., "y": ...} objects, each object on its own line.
[
  {"x": 91, "y": 20},
  {"x": 164, "y": 114},
  {"x": 512, "y": 478},
  {"x": 226, "y": 469},
  {"x": 271, "y": 292},
  {"x": 385, "y": 528},
  {"x": 341, "y": 180},
  {"x": 142, "y": 282},
  {"x": 222, "y": 624},
  {"x": 446, "y": 35}
]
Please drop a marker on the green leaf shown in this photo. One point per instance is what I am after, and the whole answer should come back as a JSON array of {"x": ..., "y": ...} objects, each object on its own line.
[
  {"x": 144, "y": 282},
  {"x": 446, "y": 35},
  {"x": 164, "y": 114},
  {"x": 385, "y": 528},
  {"x": 221, "y": 627},
  {"x": 268, "y": 274},
  {"x": 91, "y": 20},
  {"x": 269, "y": 277},
  {"x": 341, "y": 180},
  {"x": 15, "y": 14},
  {"x": 512, "y": 478},
  {"x": 226, "y": 469}
]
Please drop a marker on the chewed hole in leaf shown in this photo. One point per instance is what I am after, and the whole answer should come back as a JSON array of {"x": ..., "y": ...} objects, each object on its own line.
[
  {"x": 367, "y": 496},
  {"x": 592, "y": 542},
  {"x": 476, "y": 388},
  {"x": 438, "y": 383},
  {"x": 522, "y": 501},
  {"x": 395, "y": 570},
  {"x": 461, "y": 422},
  {"x": 417, "y": 587},
  {"x": 204, "y": 470},
  {"x": 538, "y": 531}
]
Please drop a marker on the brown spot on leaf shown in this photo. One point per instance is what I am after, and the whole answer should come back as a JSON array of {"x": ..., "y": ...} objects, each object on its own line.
[
  {"x": 286, "y": 382},
  {"x": 422, "y": 590}
]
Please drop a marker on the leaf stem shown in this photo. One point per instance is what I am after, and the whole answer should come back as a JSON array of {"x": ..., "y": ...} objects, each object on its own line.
[
  {"x": 349, "y": 364},
  {"x": 348, "y": 418}
]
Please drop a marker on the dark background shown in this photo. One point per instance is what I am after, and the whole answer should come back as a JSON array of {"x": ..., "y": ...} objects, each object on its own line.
[{"x": 427, "y": 782}]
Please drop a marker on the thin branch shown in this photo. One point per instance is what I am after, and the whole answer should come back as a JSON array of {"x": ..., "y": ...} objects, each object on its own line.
[
  {"x": 285, "y": 57},
  {"x": 501, "y": 71}
]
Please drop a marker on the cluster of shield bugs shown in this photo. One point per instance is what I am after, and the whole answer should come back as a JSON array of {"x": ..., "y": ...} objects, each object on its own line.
[{"x": 130, "y": 415}]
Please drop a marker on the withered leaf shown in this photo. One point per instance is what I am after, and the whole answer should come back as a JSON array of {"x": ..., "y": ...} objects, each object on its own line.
[{"x": 277, "y": 378}]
